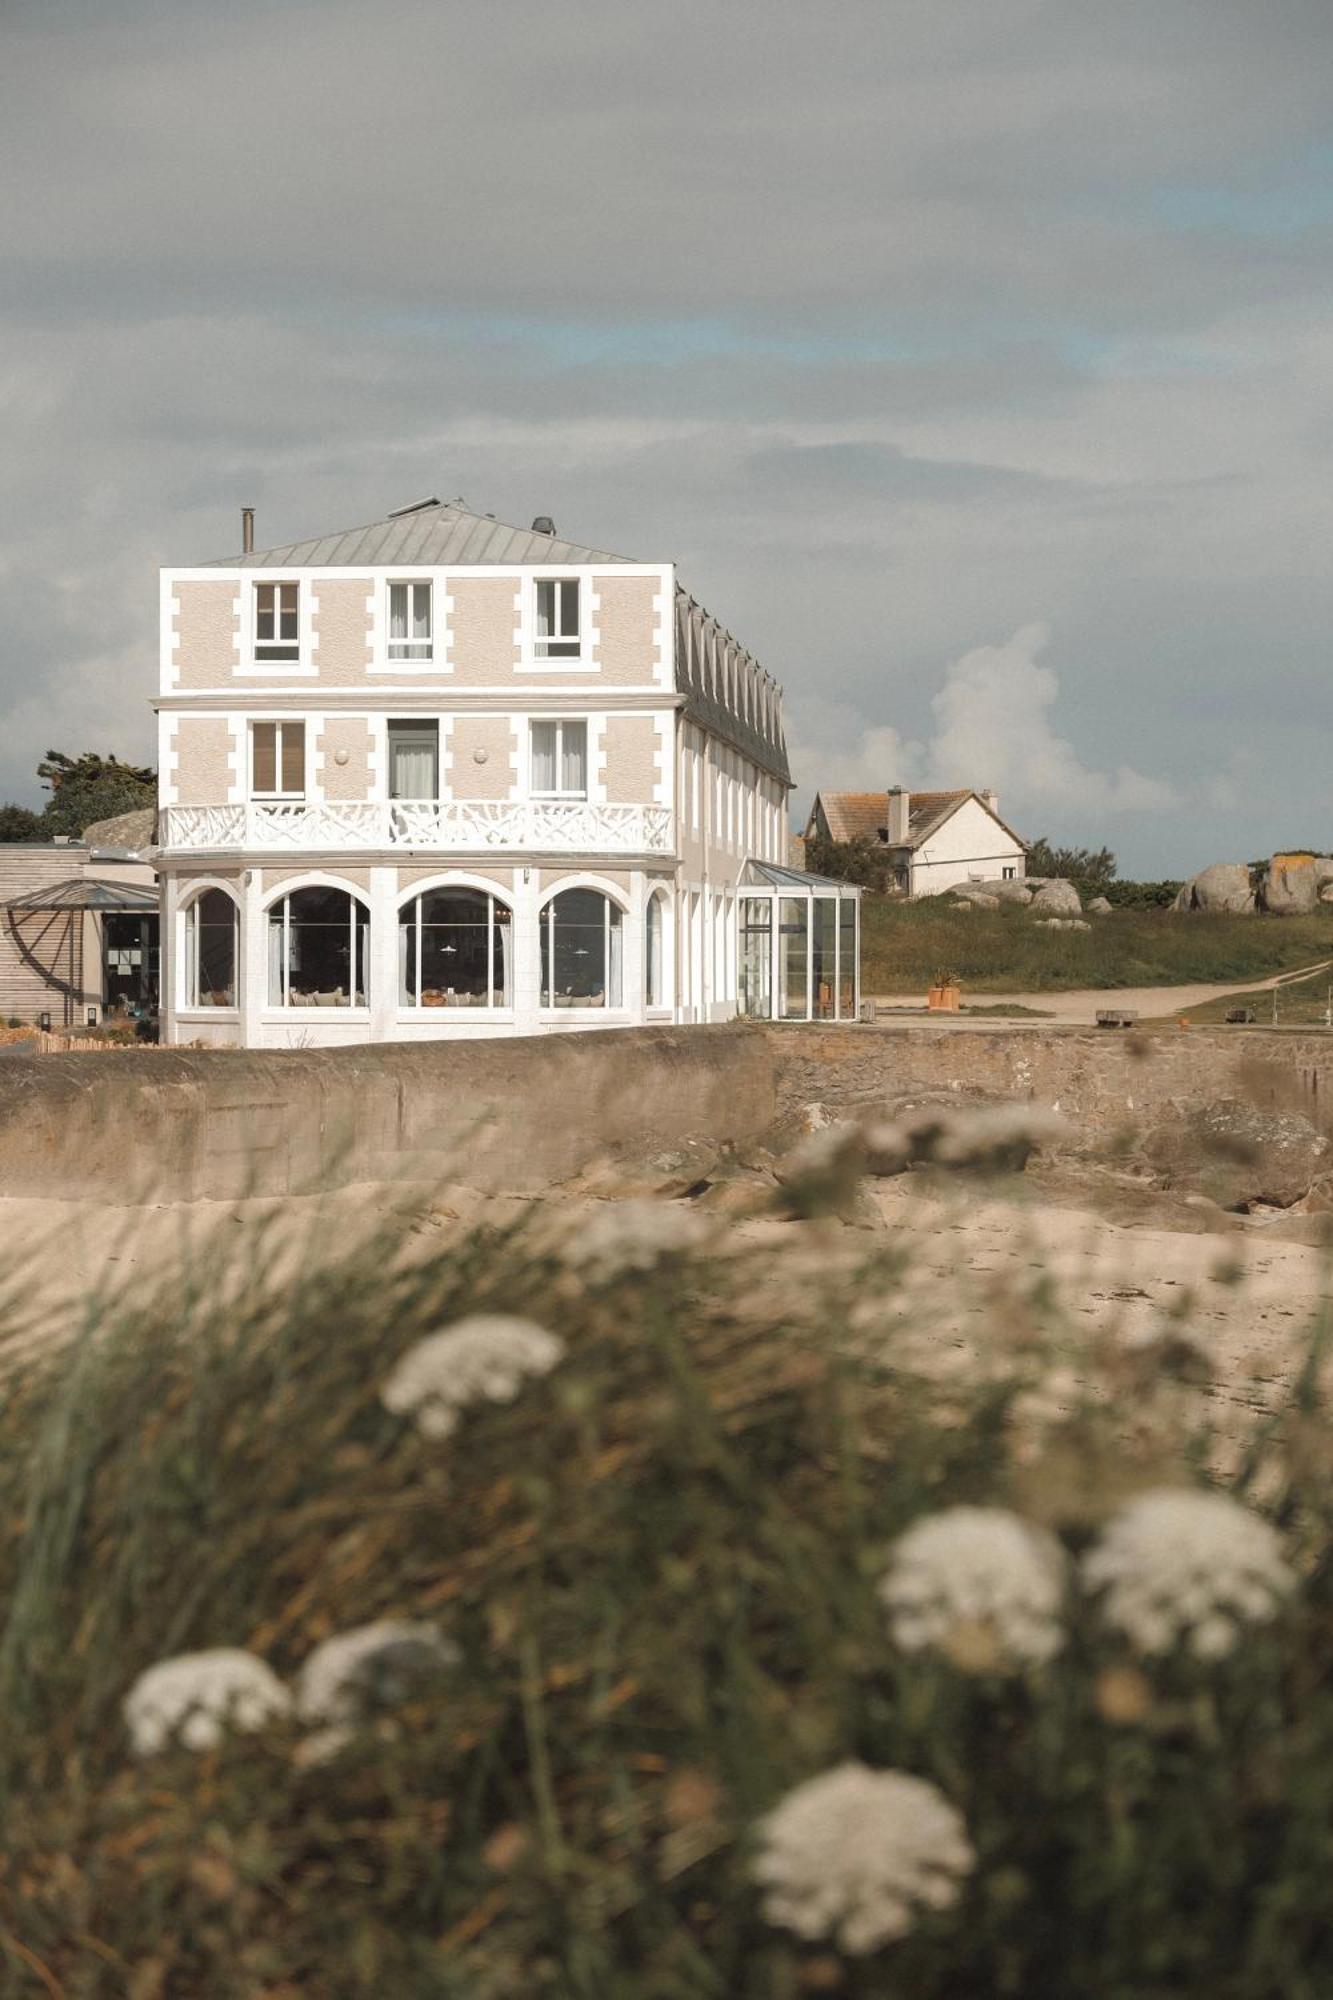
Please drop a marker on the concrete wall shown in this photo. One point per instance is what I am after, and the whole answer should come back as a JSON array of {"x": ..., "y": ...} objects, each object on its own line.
[
  {"x": 1103, "y": 1082},
  {"x": 513, "y": 1115}
]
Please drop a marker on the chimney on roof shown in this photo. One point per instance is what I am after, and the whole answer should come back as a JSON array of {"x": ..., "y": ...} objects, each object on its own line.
[
  {"x": 991, "y": 800},
  {"x": 543, "y": 525},
  {"x": 900, "y": 806},
  {"x": 247, "y": 531}
]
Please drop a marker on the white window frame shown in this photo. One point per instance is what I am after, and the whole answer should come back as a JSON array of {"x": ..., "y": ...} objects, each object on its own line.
[
  {"x": 409, "y": 660},
  {"x": 279, "y": 723},
  {"x": 560, "y": 663},
  {"x": 355, "y": 904},
  {"x": 190, "y": 1002},
  {"x": 504, "y": 1009},
  {"x": 256, "y": 662},
  {"x": 546, "y": 921},
  {"x": 560, "y": 723}
]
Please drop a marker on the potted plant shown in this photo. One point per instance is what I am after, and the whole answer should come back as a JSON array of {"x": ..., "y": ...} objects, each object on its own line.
[{"x": 944, "y": 993}]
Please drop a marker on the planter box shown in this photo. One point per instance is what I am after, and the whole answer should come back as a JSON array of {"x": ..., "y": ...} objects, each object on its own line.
[{"x": 943, "y": 999}]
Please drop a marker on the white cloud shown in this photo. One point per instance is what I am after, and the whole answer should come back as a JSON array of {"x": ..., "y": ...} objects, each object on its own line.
[{"x": 993, "y": 731}]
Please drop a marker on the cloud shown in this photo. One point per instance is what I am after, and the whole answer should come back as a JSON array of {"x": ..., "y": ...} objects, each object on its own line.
[
  {"x": 887, "y": 324},
  {"x": 993, "y": 732}
]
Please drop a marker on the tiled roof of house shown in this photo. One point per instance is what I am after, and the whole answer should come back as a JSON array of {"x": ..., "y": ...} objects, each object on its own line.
[{"x": 865, "y": 815}]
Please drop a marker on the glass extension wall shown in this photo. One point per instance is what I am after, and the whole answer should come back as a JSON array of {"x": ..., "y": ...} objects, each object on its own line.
[{"x": 797, "y": 946}]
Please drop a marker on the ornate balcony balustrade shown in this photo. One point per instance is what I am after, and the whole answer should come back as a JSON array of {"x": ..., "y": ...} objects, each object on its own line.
[{"x": 447, "y": 826}]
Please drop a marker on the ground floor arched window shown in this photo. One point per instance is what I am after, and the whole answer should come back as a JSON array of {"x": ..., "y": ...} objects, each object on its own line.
[
  {"x": 317, "y": 949},
  {"x": 654, "y": 969},
  {"x": 455, "y": 949},
  {"x": 582, "y": 941},
  {"x": 210, "y": 950}
]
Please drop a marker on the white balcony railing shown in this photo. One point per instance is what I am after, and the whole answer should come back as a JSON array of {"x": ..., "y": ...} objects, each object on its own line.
[{"x": 451, "y": 826}]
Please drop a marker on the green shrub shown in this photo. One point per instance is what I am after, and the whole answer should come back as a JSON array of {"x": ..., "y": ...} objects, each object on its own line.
[{"x": 661, "y": 1564}]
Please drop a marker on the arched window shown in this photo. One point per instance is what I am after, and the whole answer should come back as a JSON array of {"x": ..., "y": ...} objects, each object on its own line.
[
  {"x": 317, "y": 949},
  {"x": 455, "y": 949},
  {"x": 210, "y": 950},
  {"x": 582, "y": 958},
  {"x": 654, "y": 972}
]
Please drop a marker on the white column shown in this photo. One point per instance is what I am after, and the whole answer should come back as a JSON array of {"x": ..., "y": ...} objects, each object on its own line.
[
  {"x": 383, "y": 968},
  {"x": 169, "y": 958},
  {"x": 252, "y": 981},
  {"x": 633, "y": 967},
  {"x": 527, "y": 951}
]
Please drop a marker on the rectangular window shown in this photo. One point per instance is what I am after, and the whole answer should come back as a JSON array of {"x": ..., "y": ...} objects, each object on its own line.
[
  {"x": 277, "y": 760},
  {"x": 277, "y": 621},
  {"x": 560, "y": 760},
  {"x": 1008, "y": 874},
  {"x": 414, "y": 760},
  {"x": 558, "y": 635},
  {"x": 410, "y": 630}
]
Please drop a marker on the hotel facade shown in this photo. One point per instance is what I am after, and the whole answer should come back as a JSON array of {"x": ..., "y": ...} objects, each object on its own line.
[{"x": 438, "y": 776}]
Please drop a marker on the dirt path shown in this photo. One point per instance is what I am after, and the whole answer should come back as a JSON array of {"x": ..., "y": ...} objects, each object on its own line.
[{"x": 1080, "y": 1006}]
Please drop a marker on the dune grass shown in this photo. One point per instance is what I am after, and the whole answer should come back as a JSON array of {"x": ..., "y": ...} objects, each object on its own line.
[
  {"x": 1006, "y": 951},
  {"x": 659, "y": 1566}
]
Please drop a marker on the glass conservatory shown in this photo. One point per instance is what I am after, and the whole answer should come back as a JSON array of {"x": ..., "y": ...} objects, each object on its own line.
[{"x": 798, "y": 951}]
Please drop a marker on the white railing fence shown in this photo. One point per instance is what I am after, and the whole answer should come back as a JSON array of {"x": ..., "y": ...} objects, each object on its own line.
[{"x": 443, "y": 826}]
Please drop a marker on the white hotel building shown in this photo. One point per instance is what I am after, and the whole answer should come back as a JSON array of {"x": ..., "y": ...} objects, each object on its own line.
[{"x": 439, "y": 776}]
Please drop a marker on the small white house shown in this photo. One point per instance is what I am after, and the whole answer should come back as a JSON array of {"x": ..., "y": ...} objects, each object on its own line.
[{"x": 936, "y": 840}]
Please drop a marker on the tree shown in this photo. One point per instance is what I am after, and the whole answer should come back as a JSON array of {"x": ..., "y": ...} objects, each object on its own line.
[
  {"x": 19, "y": 824},
  {"x": 91, "y": 787},
  {"x": 865, "y": 861},
  {"x": 1082, "y": 866}
]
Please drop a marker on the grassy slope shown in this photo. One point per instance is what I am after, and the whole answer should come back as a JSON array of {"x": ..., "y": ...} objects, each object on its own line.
[
  {"x": 1002, "y": 951},
  {"x": 1302, "y": 1004}
]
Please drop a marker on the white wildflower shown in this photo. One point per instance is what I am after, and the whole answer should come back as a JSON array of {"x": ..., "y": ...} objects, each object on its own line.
[
  {"x": 1180, "y": 1568},
  {"x": 484, "y": 1359},
  {"x": 370, "y": 1663},
  {"x": 195, "y": 1697},
  {"x": 627, "y": 1236},
  {"x": 856, "y": 1855},
  {"x": 979, "y": 1583}
]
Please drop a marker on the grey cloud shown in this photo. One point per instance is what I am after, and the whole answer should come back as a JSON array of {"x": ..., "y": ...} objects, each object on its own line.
[{"x": 889, "y": 343}]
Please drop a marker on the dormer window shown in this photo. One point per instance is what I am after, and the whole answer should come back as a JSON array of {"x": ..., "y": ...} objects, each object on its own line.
[
  {"x": 410, "y": 630},
  {"x": 277, "y": 621},
  {"x": 558, "y": 636}
]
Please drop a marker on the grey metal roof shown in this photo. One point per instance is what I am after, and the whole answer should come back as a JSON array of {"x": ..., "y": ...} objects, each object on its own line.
[
  {"x": 86, "y": 893},
  {"x": 435, "y": 533},
  {"x": 792, "y": 881}
]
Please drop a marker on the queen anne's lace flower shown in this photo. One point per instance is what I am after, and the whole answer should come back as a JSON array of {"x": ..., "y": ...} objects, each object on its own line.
[
  {"x": 368, "y": 1665},
  {"x": 484, "y": 1359},
  {"x": 626, "y": 1236},
  {"x": 856, "y": 1855},
  {"x": 1179, "y": 1568},
  {"x": 979, "y": 1583},
  {"x": 195, "y": 1697}
]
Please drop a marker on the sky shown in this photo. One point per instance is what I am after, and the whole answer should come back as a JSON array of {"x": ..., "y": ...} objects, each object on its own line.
[{"x": 973, "y": 361}]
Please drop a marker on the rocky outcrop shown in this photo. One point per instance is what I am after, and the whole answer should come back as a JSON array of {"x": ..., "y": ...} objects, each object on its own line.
[
  {"x": 1290, "y": 886},
  {"x": 1057, "y": 899},
  {"x": 1224, "y": 887},
  {"x": 1098, "y": 907},
  {"x": 1237, "y": 1154},
  {"x": 1062, "y": 924}
]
